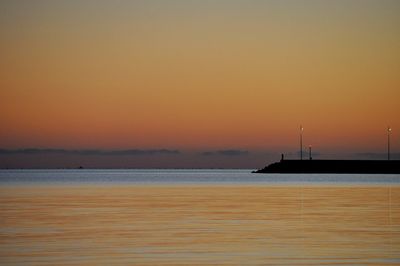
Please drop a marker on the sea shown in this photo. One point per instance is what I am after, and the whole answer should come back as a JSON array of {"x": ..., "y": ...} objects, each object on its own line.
[{"x": 197, "y": 217}]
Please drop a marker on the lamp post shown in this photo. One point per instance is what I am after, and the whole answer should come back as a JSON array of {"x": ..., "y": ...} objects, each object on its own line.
[
  {"x": 388, "y": 141},
  {"x": 309, "y": 152},
  {"x": 301, "y": 142}
]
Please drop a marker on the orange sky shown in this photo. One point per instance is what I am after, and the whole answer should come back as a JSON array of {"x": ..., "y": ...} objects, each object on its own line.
[{"x": 200, "y": 74}]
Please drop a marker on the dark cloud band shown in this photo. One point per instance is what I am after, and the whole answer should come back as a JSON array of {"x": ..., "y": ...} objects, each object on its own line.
[
  {"x": 130, "y": 152},
  {"x": 225, "y": 153}
]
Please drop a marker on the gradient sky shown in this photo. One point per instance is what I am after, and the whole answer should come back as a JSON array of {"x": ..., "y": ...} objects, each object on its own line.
[{"x": 200, "y": 76}]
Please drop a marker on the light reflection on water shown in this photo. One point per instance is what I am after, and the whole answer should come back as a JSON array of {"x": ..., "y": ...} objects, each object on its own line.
[{"x": 119, "y": 224}]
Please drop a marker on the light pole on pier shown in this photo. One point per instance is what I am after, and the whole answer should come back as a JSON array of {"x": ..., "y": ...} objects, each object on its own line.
[
  {"x": 388, "y": 142},
  {"x": 301, "y": 142}
]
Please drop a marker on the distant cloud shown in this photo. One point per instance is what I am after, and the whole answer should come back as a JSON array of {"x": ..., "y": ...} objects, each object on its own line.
[
  {"x": 129, "y": 152},
  {"x": 225, "y": 153}
]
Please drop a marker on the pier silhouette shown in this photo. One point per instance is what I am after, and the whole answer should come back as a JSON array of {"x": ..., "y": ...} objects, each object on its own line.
[{"x": 333, "y": 166}]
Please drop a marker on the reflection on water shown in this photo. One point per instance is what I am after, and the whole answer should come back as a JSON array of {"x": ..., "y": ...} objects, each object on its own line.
[{"x": 199, "y": 224}]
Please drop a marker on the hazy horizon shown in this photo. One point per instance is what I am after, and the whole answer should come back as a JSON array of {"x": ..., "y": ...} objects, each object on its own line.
[{"x": 161, "y": 158}]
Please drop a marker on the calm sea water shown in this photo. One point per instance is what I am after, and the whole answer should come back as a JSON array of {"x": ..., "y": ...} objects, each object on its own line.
[
  {"x": 184, "y": 176},
  {"x": 197, "y": 217}
]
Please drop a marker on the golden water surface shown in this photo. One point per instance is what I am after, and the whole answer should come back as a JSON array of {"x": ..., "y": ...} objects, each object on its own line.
[{"x": 199, "y": 225}]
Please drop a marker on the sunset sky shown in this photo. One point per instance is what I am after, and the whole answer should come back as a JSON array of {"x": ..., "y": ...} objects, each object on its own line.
[{"x": 196, "y": 83}]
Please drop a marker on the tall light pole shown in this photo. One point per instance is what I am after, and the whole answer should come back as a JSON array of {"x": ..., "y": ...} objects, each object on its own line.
[
  {"x": 388, "y": 141},
  {"x": 309, "y": 152},
  {"x": 301, "y": 142}
]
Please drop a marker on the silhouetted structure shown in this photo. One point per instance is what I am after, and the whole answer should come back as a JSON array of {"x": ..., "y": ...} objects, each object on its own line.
[
  {"x": 301, "y": 142},
  {"x": 388, "y": 141},
  {"x": 334, "y": 166}
]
